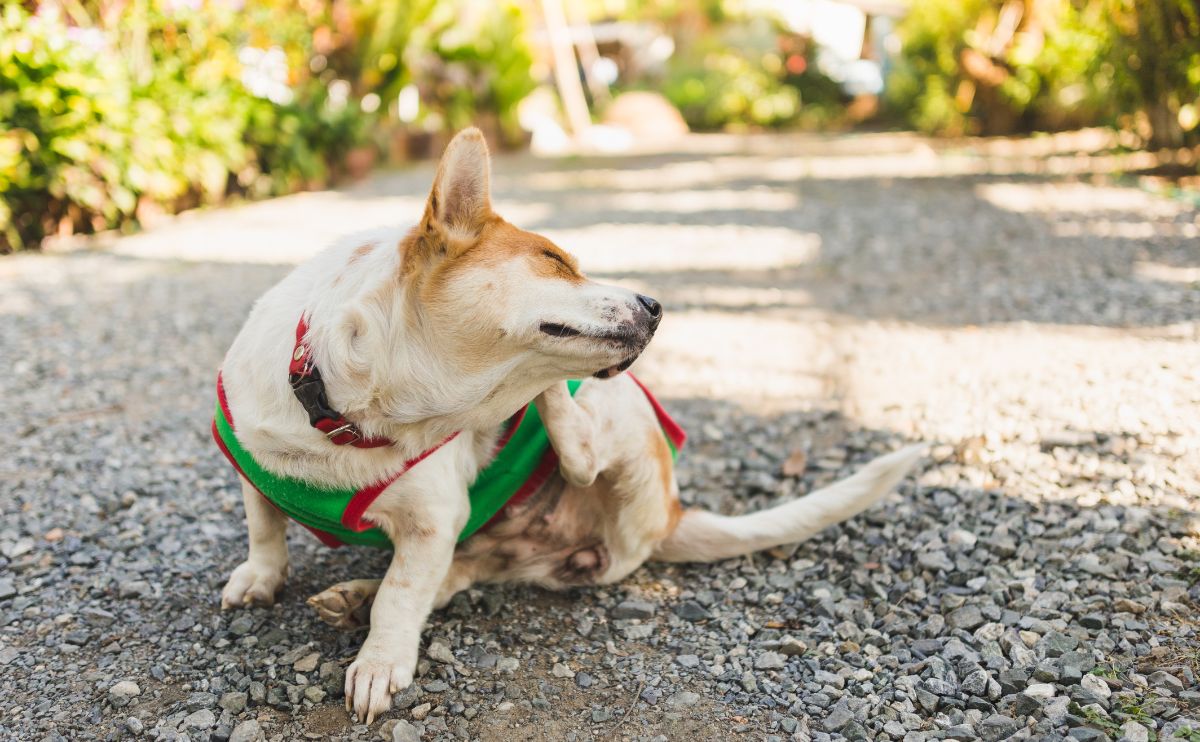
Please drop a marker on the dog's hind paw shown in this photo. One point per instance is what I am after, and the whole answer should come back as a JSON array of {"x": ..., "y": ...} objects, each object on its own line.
[
  {"x": 346, "y": 605},
  {"x": 584, "y": 566}
]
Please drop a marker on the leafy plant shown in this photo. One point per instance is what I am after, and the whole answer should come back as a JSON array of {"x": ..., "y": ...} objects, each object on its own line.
[
  {"x": 476, "y": 61},
  {"x": 164, "y": 105},
  {"x": 999, "y": 66}
]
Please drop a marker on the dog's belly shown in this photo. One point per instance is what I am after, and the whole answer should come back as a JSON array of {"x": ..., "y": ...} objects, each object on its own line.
[{"x": 551, "y": 539}]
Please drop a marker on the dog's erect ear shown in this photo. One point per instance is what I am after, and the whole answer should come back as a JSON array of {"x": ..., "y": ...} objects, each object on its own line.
[{"x": 460, "y": 203}]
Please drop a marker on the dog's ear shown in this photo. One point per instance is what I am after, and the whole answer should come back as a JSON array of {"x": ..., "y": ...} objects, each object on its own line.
[{"x": 460, "y": 204}]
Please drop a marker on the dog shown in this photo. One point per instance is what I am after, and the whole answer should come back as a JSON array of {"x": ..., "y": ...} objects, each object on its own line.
[{"x": 372, "y": 390}]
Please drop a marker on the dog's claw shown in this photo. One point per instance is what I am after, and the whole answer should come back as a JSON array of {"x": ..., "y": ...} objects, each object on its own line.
[{"x": 370, "y": 682}]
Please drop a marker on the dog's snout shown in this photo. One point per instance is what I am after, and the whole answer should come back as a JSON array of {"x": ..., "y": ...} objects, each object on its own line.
[{"x": 652, "y": 307}]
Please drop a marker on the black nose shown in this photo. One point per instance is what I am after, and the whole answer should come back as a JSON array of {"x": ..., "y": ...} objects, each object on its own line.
[{"x": 652, "y": 306}]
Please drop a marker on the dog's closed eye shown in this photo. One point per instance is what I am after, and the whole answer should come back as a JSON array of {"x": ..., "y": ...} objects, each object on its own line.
[
  {"x": 557, "y": 330},
  {"x": 556, "y": 257}
]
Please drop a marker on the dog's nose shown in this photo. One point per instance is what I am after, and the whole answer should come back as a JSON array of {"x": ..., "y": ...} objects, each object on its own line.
[{"x": 652, "y": 307}]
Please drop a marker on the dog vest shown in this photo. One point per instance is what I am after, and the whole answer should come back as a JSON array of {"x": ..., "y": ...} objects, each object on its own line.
[{"x": 523, "y": 462}]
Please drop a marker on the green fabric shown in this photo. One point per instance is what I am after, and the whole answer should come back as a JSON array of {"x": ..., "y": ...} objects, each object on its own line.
[{"x": 321, "y": 508}]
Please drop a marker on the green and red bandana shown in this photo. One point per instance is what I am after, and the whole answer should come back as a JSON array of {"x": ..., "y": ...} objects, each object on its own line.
[{"x": 523, "y": 462}]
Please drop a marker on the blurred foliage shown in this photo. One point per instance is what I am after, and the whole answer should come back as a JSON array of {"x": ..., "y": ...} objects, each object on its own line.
[
  {"x": 1005, "y": 66},
  {"x": 476, "y": 62},
  {"x": 114, "y": 111},
  {"x": 736, "y": 71}
]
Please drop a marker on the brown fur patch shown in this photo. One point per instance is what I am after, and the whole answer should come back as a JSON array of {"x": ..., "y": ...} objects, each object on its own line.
[
  {"x": 501, "y": 242},
  {"x": 361, "y": 252},
  {"x": 662, "y": 455}
]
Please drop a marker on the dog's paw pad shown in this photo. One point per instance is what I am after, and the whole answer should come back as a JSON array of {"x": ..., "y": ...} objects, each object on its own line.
[
  {"x": 585, "y": 565},
  {"x": 343, "y": 606}
]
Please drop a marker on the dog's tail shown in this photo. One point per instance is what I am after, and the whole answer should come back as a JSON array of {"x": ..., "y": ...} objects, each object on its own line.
[{"x": 702, "y": 536}]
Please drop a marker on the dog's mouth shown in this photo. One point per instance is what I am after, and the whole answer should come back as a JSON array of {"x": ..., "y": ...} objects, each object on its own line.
[
  {"x": 611, "y": 371},
  {"x": 631, "y": 342}
]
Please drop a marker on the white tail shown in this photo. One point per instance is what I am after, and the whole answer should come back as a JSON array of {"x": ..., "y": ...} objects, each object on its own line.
[{"x": 702, "y": 536}]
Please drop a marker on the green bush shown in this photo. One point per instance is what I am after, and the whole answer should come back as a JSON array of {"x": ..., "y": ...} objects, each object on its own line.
[
  {"x": 175, "y": 104},
  {"x": 97, "y": 122},
  {"x": 735, "y": 75},
  {"x": 720, "y": 87},
  {"x": 1004, "y": 66}
]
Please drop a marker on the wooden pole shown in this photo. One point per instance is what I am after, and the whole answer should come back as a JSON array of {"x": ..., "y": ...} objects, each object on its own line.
[
  {"x": 566, "y": 73},
  {"x": 589, "y": 54}
]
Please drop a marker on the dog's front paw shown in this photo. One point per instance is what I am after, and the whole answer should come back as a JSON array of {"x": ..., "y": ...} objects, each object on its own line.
[
  {"x": 253, "y": 583},
  {"x": 372, "y": 679}
]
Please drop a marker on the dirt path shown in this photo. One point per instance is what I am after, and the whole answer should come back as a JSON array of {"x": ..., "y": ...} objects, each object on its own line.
[{"x": 827, "y": 299}]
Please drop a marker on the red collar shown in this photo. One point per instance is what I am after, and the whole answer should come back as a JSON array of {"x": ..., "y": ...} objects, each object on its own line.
[{"x": 308, "y": 387}]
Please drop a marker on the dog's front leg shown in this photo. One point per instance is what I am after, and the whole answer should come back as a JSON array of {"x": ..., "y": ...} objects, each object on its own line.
[
  {"x": 256, "y": 580},
  {"x": 572, "y": 432},
  {"x": 423, "y": 534}
]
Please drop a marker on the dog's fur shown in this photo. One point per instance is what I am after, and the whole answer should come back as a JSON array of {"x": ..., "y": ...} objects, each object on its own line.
[{"x": 453, "y": 327}]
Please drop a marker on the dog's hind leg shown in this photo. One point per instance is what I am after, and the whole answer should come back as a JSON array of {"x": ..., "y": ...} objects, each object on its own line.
[
  {"x": 572, "y": 432},
  {"x": 346, "y": 605},
  {"x": 256, "y": 580}
]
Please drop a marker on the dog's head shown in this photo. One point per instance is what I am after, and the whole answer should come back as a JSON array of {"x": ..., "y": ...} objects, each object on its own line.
[{"x": 498, "y": 299}]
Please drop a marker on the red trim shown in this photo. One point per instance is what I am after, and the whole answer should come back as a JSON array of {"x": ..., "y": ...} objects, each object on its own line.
[
  {"x": 352, "y": 516},
  {"x": 673, "y": 430},
  {"x": 514, "y": 422},
  {"x": 224, "y": 402}
]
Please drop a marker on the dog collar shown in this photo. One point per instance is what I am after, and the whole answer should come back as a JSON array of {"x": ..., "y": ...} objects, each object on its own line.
[{"x": 305, "y": 380}]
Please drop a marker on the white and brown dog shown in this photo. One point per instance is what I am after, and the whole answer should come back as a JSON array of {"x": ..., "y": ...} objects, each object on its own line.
[{"x": 373, "y": 384}]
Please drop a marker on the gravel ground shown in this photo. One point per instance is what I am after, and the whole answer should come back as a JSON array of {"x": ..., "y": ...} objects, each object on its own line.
[{"x": 827, "y": 299}]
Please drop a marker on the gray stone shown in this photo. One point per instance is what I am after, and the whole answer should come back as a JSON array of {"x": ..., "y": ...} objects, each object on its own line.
[
  {"x": 966, "y": 618},
  {"x": 976, "y": 683},
  {"x": 200, "y": 720},
  {"x": 684, "y": 698},
  {"x": 1166, "y": 681},
  {"x": 935, "y": 560},
  {"x": 123, "y": 692},
  {"x": 405, "y": 731},
  {"x": 247, "y": 731},
  {"x": 997, "y": 727},
  {"x": 691, "y": 611},
  {"x": 234, "y": 702},
  {"x": 688, "y": 660},
  {"x": 790, "y": 646},
  {"x": 839, "y": 716},
  {"x": 633, "y": 609},
  {"x": 769, "y": 661},
  {"x": 439, "y": 652}
]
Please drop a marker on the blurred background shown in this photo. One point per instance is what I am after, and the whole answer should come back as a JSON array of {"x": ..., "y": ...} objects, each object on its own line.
[{"x": 114, "y": 113}]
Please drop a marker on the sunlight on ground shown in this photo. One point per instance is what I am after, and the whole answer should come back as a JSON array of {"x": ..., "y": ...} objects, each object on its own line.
[
  {"x": 694, "y": 202},
  {"x": 1078, "y": 198},
  {"x": 1152, "y": 271},
  {"x": 616, "y": 248}
]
